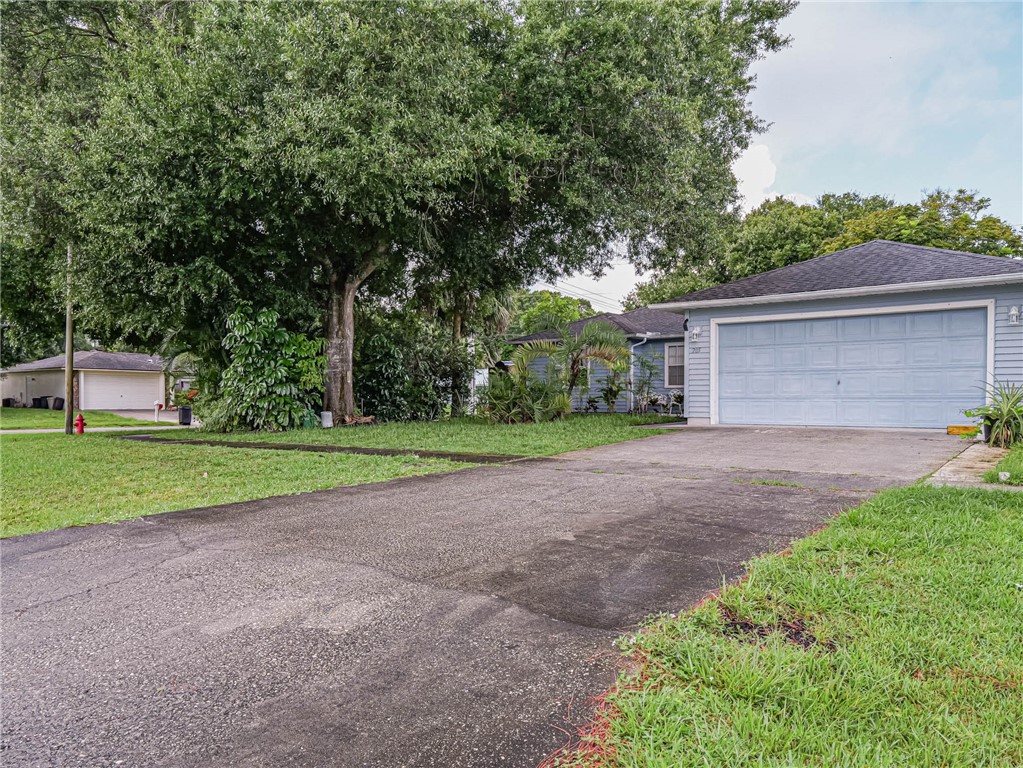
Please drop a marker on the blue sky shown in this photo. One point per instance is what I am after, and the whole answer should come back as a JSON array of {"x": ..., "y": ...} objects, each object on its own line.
[{"x": 882, "y": 97}]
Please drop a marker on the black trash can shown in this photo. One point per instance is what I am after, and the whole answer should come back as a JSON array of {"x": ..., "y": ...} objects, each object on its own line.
[
  {"x": 44, "y": 402},
  {"x": 37, "y": 402},
  {"x": 58, "y": 403},
  {"x": 185, "y": 415}
]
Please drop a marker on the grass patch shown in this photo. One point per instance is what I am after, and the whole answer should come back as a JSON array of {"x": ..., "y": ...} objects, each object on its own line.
[
  {"x": 892, "y": 637},
  {"x": 1013, "y": 464},
  {"x": 467, "y": 435},
  {"x": 779, "y": 483},
  {"x": 40, "y": 418},
  {"x": 56, "y": 481}
]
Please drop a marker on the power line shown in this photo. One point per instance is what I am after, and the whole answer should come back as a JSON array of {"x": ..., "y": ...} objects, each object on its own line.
[{"x": 605, "y": 305}]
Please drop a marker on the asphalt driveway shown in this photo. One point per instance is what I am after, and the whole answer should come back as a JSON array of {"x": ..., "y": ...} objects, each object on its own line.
[{"x": 448, "y": 620}]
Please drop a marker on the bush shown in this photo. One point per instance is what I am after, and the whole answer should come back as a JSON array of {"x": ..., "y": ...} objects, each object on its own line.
[
  {"x": 521, "y": 396},
  {"x": 273, "y": 380},
  {"x": 407, "y": 367}
]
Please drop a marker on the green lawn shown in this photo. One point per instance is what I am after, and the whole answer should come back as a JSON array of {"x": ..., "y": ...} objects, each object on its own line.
[
  {"x": 894, "y": 637},
  {"x": 39, "y": 418},
  {"x": 1013, "y": 464},
  {"x": 55, "y": 481},
  {"x": 467, "y": 435}
]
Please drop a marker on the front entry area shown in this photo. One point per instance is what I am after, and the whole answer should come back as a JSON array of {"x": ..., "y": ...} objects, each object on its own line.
[{"x": 903, "y": 369}]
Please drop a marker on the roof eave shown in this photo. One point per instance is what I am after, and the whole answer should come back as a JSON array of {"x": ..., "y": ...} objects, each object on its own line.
[{"x": 840, "y": 293}]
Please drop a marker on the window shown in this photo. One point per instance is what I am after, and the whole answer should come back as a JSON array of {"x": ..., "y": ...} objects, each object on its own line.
[{"x": 674, "y": 365}]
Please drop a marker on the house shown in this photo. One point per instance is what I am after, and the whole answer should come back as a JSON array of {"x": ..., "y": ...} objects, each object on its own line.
[
  {"x": 103, "y": 381},
  {"x": 882, "y": 334},
  {"x": 653, "y": 335}
]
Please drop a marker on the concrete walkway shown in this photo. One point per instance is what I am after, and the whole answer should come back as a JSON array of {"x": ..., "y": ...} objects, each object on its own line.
[{"x": 449, "y": 620}]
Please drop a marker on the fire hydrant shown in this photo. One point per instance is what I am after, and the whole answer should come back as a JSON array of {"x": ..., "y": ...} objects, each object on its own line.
[{"x": 80, "y": 425}]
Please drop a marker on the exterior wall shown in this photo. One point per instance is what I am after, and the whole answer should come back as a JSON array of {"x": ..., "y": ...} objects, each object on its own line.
[
  {"x": 652, "y": 350},
  {"x": 24, "y": 386},
  {"x": 1008, "y": 352}
]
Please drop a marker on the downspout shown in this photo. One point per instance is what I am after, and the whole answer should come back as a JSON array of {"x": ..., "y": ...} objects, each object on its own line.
[{"x": 632, "y": 368}]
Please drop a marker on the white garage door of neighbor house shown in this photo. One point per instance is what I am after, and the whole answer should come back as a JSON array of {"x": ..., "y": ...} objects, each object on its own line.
[
  {"x": 121, "y": 391},
  {"x": 916, "y": 369}
]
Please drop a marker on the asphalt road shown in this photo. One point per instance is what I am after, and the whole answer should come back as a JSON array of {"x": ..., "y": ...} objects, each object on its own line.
[{"x": 449, "y": 620}]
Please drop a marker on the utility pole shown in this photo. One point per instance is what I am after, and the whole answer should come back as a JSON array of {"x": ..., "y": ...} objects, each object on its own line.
[{"x": 69, "y": 355}]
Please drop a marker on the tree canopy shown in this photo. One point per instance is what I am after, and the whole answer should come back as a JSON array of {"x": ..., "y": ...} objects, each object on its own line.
[
  {"x": 780, "y": 232},
  {"x": 299, "y": 155}
]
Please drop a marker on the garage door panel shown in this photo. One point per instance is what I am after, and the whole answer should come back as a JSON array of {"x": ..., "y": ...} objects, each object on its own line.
[
  {"x": 915, "y": 369},
  {"x": 855, "y": 355},
  {"x": 120, "y": 391}
]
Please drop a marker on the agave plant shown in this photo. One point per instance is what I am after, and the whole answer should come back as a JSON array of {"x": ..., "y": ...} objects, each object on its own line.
[{"x": 1003, "y": 413}]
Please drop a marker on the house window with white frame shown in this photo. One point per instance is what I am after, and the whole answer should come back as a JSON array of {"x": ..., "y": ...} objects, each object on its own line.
[{"x": 674, "y": 365}]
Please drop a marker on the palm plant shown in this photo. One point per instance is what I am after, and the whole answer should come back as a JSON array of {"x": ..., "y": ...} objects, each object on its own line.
[
  {"x": 596, "y": 341},
  {"x": 520, "y": 395}
]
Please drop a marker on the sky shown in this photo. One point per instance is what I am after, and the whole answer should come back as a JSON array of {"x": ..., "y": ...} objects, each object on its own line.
[{"x": 890, "y": 98}]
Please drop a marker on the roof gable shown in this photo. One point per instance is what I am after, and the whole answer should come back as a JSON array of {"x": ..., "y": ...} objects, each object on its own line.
[
  {"x": 634, "y": 324},
  {"x": 96, "y": 360},
  {"x": 874, "y": 264}
]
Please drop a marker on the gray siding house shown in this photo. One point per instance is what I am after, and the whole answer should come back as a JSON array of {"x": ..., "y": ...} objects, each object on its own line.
[
  {"x": 654, "y": 335},
  {"x": 882, "y": 334}
]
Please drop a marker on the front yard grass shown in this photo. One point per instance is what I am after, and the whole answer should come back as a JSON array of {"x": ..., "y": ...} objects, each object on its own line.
[
  {"x": 894, "y": 637},
  {"x": 41, "y": 418},
  {"x": 56, "y": 481},
  {"x": 1013, "y": 464},
  {"x": 465, "y": 435}
]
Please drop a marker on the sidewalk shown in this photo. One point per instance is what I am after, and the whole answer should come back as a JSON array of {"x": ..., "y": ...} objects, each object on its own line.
[{"x": 142, "y": 426}]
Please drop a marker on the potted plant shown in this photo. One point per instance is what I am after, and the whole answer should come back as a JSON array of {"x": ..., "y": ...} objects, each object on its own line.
[
  {"x": 183, "y": 401},
  {"x": 1002, "y": 415}
]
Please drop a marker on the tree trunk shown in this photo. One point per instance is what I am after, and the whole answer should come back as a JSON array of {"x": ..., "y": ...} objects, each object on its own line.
[
  {"x": 339, "y": 397},
  {"x": 457, "y": 404}
]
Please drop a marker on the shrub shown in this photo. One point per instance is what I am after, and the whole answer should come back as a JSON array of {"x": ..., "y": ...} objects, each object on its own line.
[
  {"x": 273, "y": 380},
  {"x": 406, "y": 367},
  {"x": 520, "y": 395}
]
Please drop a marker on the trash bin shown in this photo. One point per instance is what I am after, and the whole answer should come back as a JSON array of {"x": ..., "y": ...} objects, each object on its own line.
[
  {"x": 44, "y": 401},
  {"x": 37, "y": 402},
  {"x": 58, "y": 403},
  {"x": 185, "y": 415}
]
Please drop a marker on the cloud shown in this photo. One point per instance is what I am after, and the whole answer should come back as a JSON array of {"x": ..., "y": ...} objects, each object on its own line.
[{"x": 756, "y": 172}]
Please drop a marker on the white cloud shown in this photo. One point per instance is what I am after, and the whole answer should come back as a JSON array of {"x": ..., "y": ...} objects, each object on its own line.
[{"x": 756, "y": 172}]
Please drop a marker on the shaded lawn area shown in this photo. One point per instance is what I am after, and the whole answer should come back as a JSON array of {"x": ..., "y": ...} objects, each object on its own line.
[
  {"x": 893, "y": 637},
  {"x": 465, "y": 435},
  {"x": 56, "y": 481},
  {"x": 1013, "y": 464},
  {"x": 40, "y": 418}
]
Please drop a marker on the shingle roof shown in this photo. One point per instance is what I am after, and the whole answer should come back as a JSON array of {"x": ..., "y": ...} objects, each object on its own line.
[
  {"x": 96, "y": 360},
  {"x": 877, "y": 263},
  {"x": 638, "y": 322}
]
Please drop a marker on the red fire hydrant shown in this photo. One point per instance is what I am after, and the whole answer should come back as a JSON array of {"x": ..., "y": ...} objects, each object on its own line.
[{"x": 80, "y": 425}]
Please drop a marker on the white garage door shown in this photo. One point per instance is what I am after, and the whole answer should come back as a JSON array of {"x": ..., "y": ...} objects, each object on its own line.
[
  {"x": 120, "y": 391},
  {"x": 914, "y": 369}
]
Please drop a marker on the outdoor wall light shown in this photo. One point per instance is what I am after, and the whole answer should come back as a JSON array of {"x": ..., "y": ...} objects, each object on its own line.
[
  {"x": 1013, "y": 315},
  {"x": 695, "y": 333}
]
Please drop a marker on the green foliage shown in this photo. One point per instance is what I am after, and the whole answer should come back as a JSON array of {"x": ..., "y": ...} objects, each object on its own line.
[
  {"x": 614, "y": 386},
  {"x": 533, "y": 310},
  {"x": 407, "y": 366},
  {"x": 1003, "y": 413},
  {"x": 273, "y": 379},
  {"x": 1013, "y": 464},
  {"x": 597, "y": 341},
  {"x": 644, "y": 390},
  {"x": 943, "y": 219},
  {"x": 520, "y": 396},
  {"x": 779, "y": 233}
]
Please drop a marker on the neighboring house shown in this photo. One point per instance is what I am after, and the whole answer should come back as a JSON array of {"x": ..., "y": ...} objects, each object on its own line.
[
  {"x": 103, "y": 381},
  {"x": 883, "y": 334},
  {"x": 652, "y": 334}
]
